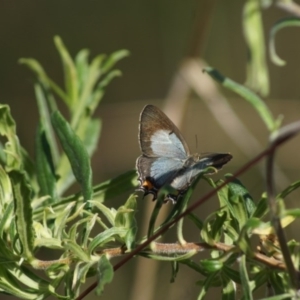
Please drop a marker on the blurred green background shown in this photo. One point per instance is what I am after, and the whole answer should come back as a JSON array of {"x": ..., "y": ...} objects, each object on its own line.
[{"x": 159, "y": 35}]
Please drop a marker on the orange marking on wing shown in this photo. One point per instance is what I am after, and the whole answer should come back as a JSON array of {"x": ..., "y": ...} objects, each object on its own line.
[{"x": 147, "y": 184}]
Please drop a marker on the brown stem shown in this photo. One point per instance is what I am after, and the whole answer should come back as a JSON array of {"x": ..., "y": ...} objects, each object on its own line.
[{"x": 175, "y": 248}]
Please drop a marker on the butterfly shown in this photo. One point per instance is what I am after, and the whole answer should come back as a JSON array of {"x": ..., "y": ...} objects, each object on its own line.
[{"x": 166, "y": 158}]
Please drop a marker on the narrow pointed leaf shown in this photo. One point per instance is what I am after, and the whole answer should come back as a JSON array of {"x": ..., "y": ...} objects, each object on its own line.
[
  {"x": 23, "y": 210},
  {"x": 76, "y": 153},
  {"x": 35, "y": 66},
  {"x": 257, "y": 67},
  {"x": 70, "y": 74},
  {"x": 257, "y": 103},
  {"x": 105, "y": 273},
  {"x": 12, "y": 147},
  {"x": 77, "y": 251},
  {"x": 44, "y": 166},
  {"x": 237, "y": 188},
  {"x": 113, "y": 59},
  {"x": 286, "y": 22},
  {"x": 45, "y": 119},
  {"x": 246, "y": 284}
]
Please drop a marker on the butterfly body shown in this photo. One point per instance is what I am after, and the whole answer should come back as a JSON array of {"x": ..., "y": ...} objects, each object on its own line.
[{"x": 166, "y": 159}]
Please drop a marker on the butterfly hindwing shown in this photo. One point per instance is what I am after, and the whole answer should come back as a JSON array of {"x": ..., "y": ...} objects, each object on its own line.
[{"x": 195, "y": 165}]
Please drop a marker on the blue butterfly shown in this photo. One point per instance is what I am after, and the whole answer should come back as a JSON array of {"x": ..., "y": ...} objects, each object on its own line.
[{"x": 166, "y": 159}]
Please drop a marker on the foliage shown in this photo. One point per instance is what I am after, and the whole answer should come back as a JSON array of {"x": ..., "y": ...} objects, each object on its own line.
[{"x": 35, "y": 213}]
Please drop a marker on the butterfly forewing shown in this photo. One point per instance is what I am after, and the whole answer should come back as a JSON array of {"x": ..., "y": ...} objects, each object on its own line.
[{"x": 159, "y": 137}]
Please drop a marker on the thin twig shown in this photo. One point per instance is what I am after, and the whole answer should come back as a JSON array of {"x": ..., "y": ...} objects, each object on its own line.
[{"x": 281, "y": 136}]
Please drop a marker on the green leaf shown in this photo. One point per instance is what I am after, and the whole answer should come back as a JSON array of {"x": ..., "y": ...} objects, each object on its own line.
[
  {"x": 93, "y": 75},
  {"x": 246, "y": 283},
  {"x": 233, "y": 206},
  {"x": 113, "y": 59},
  {"x": 12, "y": 148},
  {"x": 23, "y": 211},
  {"x": 6, "y": 217},
  {"x": 175, "y": 269},
  {"x": 232, "y": 199},
  {"x": 231, "y": 274},
  {"x": 30, "y": 279},
  {"x": 237, "y": 188},
  {"x": 100, "y": 88},
  {"x": 295, "y": 185},
  {"x": 211, "y": 265},
  {"x": 130, "y": 222},
  {"x": 82, "y": 66},
  {"x": 105, "y": 273},
  {"x": 45, "y": 119},
  {"x": 89, "y": 226},
  {"x": 244, "y": 237},
  {"x": 108, "y": 213},
  {"x": 196, "y": 220},
  {"x": 240, "y": 211},
  {"x": 194, "y": 266},
  {"x": 125, "y": 213},
  {"x": 105, "y": 237},
  {"x": 70, "y": 74},
  {"x": 261, "y": 208},
  {"x": 79, "y": 275},
  {"x": 261, "y": 278},
  {"x": 61, "y": 220},
  {"x": 35, "y": 66},
  {"x": 158, "y": 205},
  {"x": 207, "y": 284},
  {"x": 216, "y": 227},
  {"x": 183, "y": 203},
  {"x": 76, "y": 153},
  {"x": 206, "y": 230},
  {"x": 76, "y": 251},
  {"x": 257, "y": 103},
  {"x": 73, "y": 232},
  {"x": 5, "y": 189},
  {"x": 286, "y": 22},
  {"x": 254, "y": 223},
  {"x": 257, "y": 67},
  {"x": 292, "y": 212},
  {"x": 278, "y": 283},
  {"x": 228, "y": 289},
  {"x": 44, "y": 166},
  {"x": 90, "y": 134},
  {"x": 10, "y": 285}
]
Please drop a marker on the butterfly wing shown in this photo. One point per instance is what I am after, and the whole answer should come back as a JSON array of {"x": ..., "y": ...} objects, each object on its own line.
[
  {"x": 156, "y": 172},
  {"x": 194, "y": 166},
  {"x": 163, "y": 147},
  {"x": 159, "y": 137}
]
